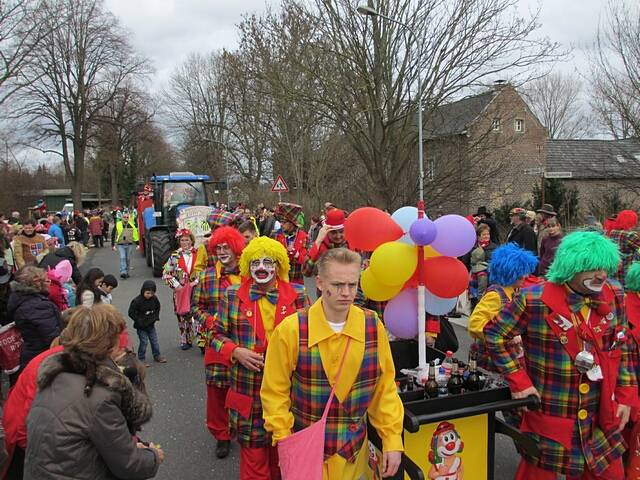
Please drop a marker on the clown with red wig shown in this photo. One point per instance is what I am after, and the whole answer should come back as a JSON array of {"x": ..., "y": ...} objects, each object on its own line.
[
  {"x": 628, "y": 241},
  {"x": 225, "y": 245},
  {"x": 180, "y": 274}
]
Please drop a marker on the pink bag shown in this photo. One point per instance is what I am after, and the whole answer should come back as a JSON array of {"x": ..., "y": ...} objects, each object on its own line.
[
  {"x": 10, "y": 348},
  {"x": 301, "y": 455},
  {"x": 182, "y": 299}
]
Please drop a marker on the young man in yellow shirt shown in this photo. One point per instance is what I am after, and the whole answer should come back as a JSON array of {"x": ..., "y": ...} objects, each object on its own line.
[{"x": 302, "y": 363}]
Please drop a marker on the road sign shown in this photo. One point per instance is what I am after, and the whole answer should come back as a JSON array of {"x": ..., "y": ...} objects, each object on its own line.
[
  {"x": 279, "y": 185},
  {"x": 558, "y": 174},
  {"x": 534, "y": 171}
]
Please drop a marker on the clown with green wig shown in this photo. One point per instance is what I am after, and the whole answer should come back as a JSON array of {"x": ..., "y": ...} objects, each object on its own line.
[
  {"x": 632, "y": 303},
  {"x": 247, "y": 315},
  {"x": 578, "y": 362}
]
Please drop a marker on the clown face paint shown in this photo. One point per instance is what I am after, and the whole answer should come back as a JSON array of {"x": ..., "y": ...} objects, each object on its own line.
[
  {"x": 593, "y": 284},
  {"x": 225, "y": 254},
  {"x": 589, "y": 283},
  {"x": 263, "y": 270}
]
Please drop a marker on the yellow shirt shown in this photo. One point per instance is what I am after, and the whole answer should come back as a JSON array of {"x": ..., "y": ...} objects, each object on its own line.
[
  {"x": 486, "y": 309},
  {"x": 385, "y": 412}
]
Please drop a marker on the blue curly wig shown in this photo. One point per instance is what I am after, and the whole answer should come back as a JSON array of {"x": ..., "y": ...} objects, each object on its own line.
[{"x": 510, "y": 263}]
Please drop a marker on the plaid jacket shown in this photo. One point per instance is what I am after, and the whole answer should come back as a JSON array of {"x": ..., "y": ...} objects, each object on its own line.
[
  {"x": 300, "y": 243},
  {"x": 566, "y": 428},
  {"x": 310, "y": 389},
  {"x": 204, "y": 305},
  {"x": 629, "y": 245},
  {"x": 236, "y": 315}
]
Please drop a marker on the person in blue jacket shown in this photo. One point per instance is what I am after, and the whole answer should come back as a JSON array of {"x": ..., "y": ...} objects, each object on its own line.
[{"x": 55, "y": 230}]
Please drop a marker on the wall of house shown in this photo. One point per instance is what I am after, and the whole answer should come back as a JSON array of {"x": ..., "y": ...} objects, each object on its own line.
[
  {"x": 507, "y": 153},
  {"x": 594, "y": 196},
  {"x": 483, "y": 166}
]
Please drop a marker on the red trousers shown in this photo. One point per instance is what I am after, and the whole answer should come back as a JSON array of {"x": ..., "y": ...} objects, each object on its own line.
[
  {"x": 259, "y": 463},
  {"x": 526, "y": 471},
  {"x": 217, "y": 415}
]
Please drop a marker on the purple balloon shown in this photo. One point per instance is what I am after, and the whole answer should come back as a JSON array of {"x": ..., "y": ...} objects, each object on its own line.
[
  {"x": 401, "y": 314},
  {"x": 455, "y": 235},
  {"x": 423, "y": 231}
]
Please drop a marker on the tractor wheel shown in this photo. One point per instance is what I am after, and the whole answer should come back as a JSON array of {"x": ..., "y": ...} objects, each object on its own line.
[{"x": 160, "y": 251}]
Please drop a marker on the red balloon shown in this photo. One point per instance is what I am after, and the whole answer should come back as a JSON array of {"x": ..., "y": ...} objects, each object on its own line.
[
  {"x": 446, "y": 277},
  {"x": 367, "y": 228}
]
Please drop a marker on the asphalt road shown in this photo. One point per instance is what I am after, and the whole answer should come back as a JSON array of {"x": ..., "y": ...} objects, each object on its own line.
[{"x": 177, "y": 388}]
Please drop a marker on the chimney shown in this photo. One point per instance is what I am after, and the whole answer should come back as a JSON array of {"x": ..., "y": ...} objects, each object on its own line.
[{"x": 500, "y": 84}]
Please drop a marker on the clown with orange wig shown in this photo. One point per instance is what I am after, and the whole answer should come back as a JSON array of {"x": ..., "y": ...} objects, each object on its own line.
[
  {"x": 225, "y": 245},
  {"x": 247, "y": 316}
]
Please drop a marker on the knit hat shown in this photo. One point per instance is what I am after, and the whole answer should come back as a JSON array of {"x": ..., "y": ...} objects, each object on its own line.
[
  {"x": 335, "y": 219},
  {"x": 582, "y": 252},
  {"x": 264, "y": 247},
  {"x": 626, "y": 220},
  {"x": 509, "y": 263}
]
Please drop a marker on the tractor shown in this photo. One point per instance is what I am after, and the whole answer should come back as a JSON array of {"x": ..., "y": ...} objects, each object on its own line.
[{"x": 162, "y": 206}]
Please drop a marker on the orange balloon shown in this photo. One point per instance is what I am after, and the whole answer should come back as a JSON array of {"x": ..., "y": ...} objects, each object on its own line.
[{"x": 367, "y": 228}]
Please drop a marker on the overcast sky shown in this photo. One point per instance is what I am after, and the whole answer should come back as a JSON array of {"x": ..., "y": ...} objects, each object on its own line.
[{"x": 166, "y": 31}]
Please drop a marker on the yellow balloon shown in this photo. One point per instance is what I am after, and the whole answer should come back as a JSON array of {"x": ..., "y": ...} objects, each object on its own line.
[
  {"x": 393, "y": 263},
  {"x": 374, "y": 290},
  {"x": 430, "y": 252}
]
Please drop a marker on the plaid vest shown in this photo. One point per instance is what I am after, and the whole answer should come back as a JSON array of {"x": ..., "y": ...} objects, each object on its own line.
[
  {"x": 504, "y": 299},
  {"x": 310, "y": 389}
]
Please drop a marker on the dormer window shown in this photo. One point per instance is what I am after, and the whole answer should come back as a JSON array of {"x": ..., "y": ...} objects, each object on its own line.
[
  {"x": 496, "y": 125},
  {"x": 518, "y": 125}
]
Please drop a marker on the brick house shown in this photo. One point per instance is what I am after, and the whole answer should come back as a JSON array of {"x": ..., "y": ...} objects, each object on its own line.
[
  {"x": 598, "y": 170},
  {"x": 486, "y": 149}
]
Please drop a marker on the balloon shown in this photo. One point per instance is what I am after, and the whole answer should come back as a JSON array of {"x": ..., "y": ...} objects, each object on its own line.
[
  {"x": 446, "y": 277},
  {"x": 367, "y": 228},
  {"x": 439, "y": 306},
  {"x": 404, "y": 217},
  {"x": 455, "y": 235},
  {"x": 375, "y": 290},
  {"x": 393, "y": 263},
  {"x": 430, "y": 252},
  {"x": 401, "y": 314},
  {"x": 422, "y": 231}
]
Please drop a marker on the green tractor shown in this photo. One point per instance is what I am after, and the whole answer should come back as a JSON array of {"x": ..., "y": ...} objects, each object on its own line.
[{"x": 169, "y": 202}]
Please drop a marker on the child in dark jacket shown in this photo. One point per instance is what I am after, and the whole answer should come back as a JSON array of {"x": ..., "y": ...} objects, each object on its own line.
[{"x": 144, "y": 310}]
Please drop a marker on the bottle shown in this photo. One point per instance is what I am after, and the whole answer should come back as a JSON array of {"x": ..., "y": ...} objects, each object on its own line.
[
  {"x": 431, "y": 387},
  {"x": 455, "y": 383},
  {"x": 447, "y": 364},
  {"x": 441, "y": 379},
  {"x": 473, "y": 380}
]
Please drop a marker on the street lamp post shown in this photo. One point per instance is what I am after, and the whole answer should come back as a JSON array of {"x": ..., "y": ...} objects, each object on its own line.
[{"x": 422, "y": 345}]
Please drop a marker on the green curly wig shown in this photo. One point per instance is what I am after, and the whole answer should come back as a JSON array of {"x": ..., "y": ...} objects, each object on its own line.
[
  {"x": 632, "y": 280},
  {"x": 265, "y": 247},
  {"x": 582, "y": 252}
]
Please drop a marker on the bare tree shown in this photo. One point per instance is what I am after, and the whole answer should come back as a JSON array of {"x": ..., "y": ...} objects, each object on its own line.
[
  {"x": 77, "y": 70},
  {"x": 367, "y": 71},
  {"x": 20, "y": 33},
  {"x": 556, "y": 99},
  {"x": 615, "y": 68}
]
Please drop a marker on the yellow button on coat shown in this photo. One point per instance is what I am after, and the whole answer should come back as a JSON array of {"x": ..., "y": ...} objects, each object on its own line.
[
  {"x": 584, "y": 388},
  {"x": 582, "y": 414}
]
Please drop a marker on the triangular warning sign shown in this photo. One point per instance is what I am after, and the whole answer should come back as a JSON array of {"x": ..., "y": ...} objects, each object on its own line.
[{"x": 280, "y": 185}]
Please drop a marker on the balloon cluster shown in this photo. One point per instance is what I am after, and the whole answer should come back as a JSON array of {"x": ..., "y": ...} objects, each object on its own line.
[{"x": 393, "y": 269}]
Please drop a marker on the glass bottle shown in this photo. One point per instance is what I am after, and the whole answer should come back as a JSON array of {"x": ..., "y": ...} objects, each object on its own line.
[{"x": 431, "y": 386}]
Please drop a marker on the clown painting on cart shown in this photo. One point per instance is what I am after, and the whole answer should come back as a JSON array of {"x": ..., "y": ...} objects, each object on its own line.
[{"x": 446, "y": 444}]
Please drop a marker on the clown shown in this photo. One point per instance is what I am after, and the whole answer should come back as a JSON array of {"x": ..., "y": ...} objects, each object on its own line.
[
  {"x": 632, "y": 303},
  {"x": 576, "y": 363},
  {"x": 247, "y": 316},
  {"x": 225, "y": 245},
  {"x": 293, "y": 238},
  {"x": 180, "y": 275},
  {"x": 446, "y": 444},
  {"x": 510, "y": 267}
]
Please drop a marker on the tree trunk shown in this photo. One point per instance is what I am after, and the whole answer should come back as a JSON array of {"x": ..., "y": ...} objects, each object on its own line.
[{"x": 113, "y": 174}]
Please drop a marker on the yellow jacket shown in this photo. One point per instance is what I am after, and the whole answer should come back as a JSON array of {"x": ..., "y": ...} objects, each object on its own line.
[
  {"x": 486, "y": 309},
  {"x": 385, "y": 412}
]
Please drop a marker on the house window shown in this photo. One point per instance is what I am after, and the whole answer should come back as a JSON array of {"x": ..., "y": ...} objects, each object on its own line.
[
  {"x": 430, "y": 168},
  {"x": 496, "y": 125},
  {"x": 518, "y": 125}
]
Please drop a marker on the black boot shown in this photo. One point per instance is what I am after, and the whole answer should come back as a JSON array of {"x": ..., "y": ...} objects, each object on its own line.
[{"x": 222, "y": 448}]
